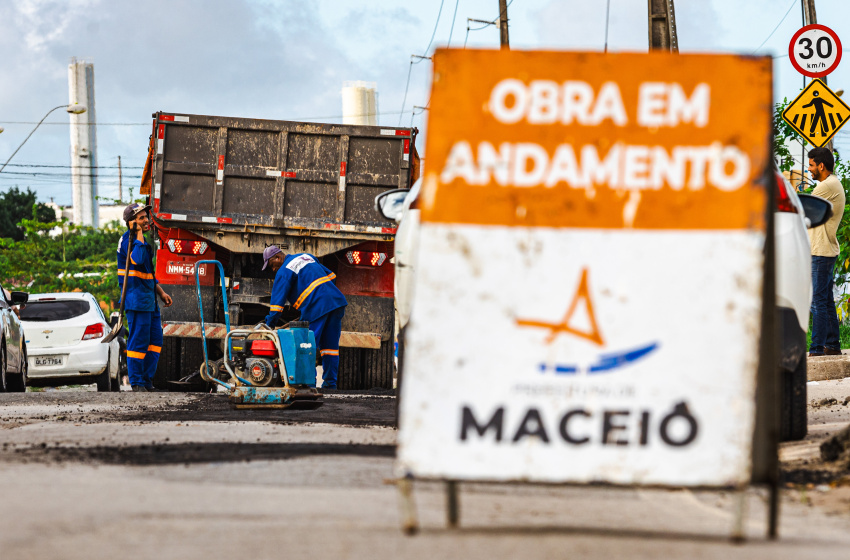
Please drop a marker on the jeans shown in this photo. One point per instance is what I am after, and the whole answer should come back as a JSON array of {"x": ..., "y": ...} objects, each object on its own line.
[{"x": 824, "y": 317}]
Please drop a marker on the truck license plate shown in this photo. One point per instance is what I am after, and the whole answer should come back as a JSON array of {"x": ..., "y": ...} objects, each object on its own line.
[
  {"x": 48, "y": 360},
  {"x": 185, "y": 268}
]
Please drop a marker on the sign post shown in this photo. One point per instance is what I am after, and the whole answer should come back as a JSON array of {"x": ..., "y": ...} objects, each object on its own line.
[{"x": 591, "y": 276}]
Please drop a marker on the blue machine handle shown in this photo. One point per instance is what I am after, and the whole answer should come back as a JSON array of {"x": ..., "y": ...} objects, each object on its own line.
[{"x": 226, "y": 312}]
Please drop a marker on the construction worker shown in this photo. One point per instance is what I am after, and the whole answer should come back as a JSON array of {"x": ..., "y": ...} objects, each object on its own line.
[
  {"x": 308, "y": 286},
  {"x": 140, "y": 305}
]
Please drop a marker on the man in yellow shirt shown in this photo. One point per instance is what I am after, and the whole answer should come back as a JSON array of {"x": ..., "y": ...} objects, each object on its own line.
[{"x": 825, "y": 249}]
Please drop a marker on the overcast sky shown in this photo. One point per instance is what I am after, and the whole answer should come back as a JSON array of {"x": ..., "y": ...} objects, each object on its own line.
[{"x": 287, "y": 59}]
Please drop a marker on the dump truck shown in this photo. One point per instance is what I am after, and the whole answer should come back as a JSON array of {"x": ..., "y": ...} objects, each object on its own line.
[{"x": 226, "y": 188}]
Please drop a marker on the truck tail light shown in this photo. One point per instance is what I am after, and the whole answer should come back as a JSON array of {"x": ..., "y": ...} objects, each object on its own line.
[
  {"x": 186, "y": 247},
  {"x": 364, "y": 258},
  {"x": 93, "y": 331},
  {"x": 263, "y": 348},
  {"x": 783, "y": 199}
]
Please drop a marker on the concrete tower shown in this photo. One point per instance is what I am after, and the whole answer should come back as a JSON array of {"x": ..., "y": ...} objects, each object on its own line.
[
  {"x": 359, "y": 103},
  {"x": 83, "y": 144}
]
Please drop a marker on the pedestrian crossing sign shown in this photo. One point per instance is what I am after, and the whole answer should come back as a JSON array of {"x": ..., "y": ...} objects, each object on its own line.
[{"x": 817, "y": 113}]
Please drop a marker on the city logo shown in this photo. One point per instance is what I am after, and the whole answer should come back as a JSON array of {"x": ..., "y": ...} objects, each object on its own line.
[{"x": 605, "y": 362}]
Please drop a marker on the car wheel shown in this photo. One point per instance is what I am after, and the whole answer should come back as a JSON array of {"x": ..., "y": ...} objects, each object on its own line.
[
  {"x": 104, "y": 381},
  {"x": 794, "y": 425},
  {"x": 18, "y": 383},
  {"x": 3, "y": 367},
  {"x": 115, "y": 382}
]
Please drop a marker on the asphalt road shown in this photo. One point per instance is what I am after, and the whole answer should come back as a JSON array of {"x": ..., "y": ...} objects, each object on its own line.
[{"x": 128, "y": 475}]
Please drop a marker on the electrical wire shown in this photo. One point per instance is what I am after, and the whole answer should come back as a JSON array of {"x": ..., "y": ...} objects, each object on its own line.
[
  {"x": 434, "y": 34},
  {"x": 468, "y": 29},
  {"x": 452, "y": 28},
  {"x": 793, "y": 3}
]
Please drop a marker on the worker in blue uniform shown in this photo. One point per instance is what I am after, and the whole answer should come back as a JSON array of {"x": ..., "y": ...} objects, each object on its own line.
[
  {"x": 140, "y": 300},
  {"x": 308, "y": 286}
]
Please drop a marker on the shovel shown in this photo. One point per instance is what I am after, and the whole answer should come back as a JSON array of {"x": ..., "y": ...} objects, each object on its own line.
[{"x": 120, "y": 323}]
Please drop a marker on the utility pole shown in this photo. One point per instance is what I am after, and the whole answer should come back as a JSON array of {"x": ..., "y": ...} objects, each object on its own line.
[
  {"x": 662, "y": 26},
  {"x": 810, "y": 17},
  {"x": 120, "y": 196},
  {"x": 503, "y": 25}
]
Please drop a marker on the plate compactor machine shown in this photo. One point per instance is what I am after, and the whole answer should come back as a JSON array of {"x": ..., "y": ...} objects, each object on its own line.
[{"x": 261, "y": 367}]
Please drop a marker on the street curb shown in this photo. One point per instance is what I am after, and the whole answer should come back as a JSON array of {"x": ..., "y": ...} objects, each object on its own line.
[{"x": 823, "y": 368}]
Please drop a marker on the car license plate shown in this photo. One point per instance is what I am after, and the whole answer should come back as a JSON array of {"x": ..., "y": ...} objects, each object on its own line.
[{"x": 48, "y": 360}]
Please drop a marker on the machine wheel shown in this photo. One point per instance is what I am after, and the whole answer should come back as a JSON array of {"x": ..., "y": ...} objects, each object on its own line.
[
  {"x": 794, "y": 424},
  {"x": 18, "y": 383}
]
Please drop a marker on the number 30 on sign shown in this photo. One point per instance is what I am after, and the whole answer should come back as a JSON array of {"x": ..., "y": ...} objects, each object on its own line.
[{"x": 815, "y": 51}]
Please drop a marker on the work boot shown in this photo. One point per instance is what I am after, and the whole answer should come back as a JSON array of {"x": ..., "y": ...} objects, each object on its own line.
[
  {"x": 139, "y": 389},
  {"x": 827, "y": 351}
]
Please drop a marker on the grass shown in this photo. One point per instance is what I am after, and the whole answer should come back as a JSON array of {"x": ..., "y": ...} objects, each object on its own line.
[{"x": 843, "y": 335}]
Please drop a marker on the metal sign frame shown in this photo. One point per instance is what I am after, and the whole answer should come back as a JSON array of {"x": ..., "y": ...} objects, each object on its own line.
[{"x": 762, "y": 467}]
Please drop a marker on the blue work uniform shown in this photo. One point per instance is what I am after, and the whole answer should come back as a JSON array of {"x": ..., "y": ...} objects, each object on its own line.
[
  {"x": 142, "y": 311},
  {"x": 308, "y": 286}
]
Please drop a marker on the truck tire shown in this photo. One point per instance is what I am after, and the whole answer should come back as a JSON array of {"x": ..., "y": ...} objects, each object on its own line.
[
  {"x": 179, "y": 357},
  {"x": 794, "y": 425},
  {"x": 379, "y": 366},
  {"x": 364, "y": 368},
  {"x": 350, "y": 374}
]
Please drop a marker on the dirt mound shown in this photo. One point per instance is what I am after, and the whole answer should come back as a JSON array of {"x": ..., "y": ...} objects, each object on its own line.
[{"x": 837, "y": 448}]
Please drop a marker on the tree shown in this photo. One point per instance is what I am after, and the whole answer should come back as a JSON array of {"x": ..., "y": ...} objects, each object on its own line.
[{"x": 17, "y": 205}]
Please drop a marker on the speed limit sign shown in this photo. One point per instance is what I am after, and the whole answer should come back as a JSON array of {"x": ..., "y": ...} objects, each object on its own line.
[{"x": 815, "y": 51}]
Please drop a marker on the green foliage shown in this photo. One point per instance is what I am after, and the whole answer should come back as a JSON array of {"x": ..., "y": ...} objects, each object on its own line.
[
  {"x": 61, "y": 257},
  {"x": 16, "y": 205}
]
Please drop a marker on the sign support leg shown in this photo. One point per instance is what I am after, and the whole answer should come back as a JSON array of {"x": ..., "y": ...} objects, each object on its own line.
[
  {"x": 452, "y": 504},
  {"x": 773, "y": 511},
  {"x": 738, "y": 533},
  {"x": 409, "y": 522}
]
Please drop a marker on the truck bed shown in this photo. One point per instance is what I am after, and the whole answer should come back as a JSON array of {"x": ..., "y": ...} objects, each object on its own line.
[{"x": 223, "y": 174}]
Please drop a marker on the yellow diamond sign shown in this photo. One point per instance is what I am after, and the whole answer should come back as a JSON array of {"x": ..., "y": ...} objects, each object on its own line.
[{"x": 817, "y": 113}]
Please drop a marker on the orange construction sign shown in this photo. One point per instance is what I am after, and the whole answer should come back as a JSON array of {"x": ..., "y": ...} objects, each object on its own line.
[{"x": 587, "y": 140}]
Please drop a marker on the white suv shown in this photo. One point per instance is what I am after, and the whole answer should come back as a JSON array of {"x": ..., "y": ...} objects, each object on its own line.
[{"x": 794, "y": 213}]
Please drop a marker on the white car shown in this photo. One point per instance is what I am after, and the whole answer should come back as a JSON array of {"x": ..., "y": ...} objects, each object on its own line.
[
  {"x": 64, "y": 333},
  {"x": 794, "y": 213}
]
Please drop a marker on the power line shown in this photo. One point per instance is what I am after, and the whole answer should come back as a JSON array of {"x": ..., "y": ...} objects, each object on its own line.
[
  {"x": 793, "y": 3},
  {"x": 486, "y": 23},
  {"x": 434, "y": 34},
  {"x": 81, "y": 124},
  {"x": 452, "y": 28},
  {"x": 32, "y": 165}
]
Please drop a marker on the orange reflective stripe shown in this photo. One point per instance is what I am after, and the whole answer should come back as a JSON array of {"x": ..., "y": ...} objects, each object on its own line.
[
  {"x": 153, "y": 348},
  {"x": 137, "y": 274},
  {"x": 312, "y": 287},
  {"x": 131, "y": 259},
  {"x": 329, "y": 353},
  {"x": 137, "y": 355},
  {"x": 277, "y": 308}
]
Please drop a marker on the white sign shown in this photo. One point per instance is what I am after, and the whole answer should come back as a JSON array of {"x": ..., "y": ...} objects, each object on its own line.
[
  {"x": 815, "y": 50},
  {"x": 588, "y": 299}
]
